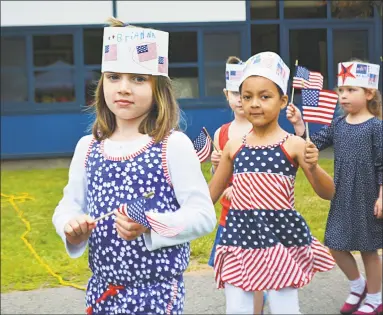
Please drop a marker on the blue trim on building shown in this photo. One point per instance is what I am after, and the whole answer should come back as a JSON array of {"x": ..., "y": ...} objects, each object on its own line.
[{"x": 59, "y": 119}]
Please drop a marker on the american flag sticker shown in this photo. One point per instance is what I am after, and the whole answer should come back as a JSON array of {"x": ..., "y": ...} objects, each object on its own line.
[
  {"x": 162, "y": 64},
  {"x": 110, "y": 52},
  {"x": 235, "y": 75},
  {"x": 147, "y": 52}
]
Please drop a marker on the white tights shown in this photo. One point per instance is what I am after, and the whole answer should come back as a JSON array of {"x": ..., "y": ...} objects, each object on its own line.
[{"x": 284, "y": 301}]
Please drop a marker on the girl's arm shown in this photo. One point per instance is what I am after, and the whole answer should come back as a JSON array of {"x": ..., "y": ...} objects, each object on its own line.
[
  {"x": 307, "y": 156},
  {"x": 73, "y": 203},
  {"x": 215, "y": 155},
  {"x": 222, "y": 175},
  {"x": 196, "y": 213},
  {"x": 322, "y": 139}
]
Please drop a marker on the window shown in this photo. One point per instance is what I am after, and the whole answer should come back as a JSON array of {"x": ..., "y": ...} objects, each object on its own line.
[
  {"x": 349, "y": 44},
  {"x": 309, "y": 47},
  {"x": 53, "y": 60},
  {"x": 264, "y": 9},
  {"x": 351, "y": 9},
  {"x": 264, "y": 38},
  {"x": 93, "y": 46},
  {"x": 217, "y": 48},
  {"x": 184, "y": 50},
  {"x": 185, "y": 82},
  {"x": 14, "y": 82},
  {"x": 92, "y": 43},
  {"x": 183, "y": 47},
  {"x": 298, "y": 9}
]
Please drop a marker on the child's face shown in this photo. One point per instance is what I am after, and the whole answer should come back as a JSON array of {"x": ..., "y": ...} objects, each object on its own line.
[
  {"x": 353, "y": 99},
  {"x": 234, "y": 100},
  {"x": 128, "y": 96},
  {"x": 261, "y": 100}
]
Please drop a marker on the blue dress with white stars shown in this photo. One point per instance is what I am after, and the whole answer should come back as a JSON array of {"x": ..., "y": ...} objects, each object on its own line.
[
  {"x": 266, "y": 244},
  {"x": 358, "y": 173},
  {"x": 127, "y": 277}
]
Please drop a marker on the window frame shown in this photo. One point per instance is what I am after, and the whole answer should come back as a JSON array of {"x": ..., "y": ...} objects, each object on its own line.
[{"x": 31, "y": 106}]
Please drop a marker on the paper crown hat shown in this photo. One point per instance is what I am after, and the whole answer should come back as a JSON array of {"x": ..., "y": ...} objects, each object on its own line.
[
  {"x": 135, "y": 50},
  {"x": 234, "y": 74},
  {"x": 361, "y": 74},
  {"x": 269, "y": 65}
]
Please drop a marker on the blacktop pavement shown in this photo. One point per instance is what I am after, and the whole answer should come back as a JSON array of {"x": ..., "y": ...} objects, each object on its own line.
[{"x": 324, "y": 295}]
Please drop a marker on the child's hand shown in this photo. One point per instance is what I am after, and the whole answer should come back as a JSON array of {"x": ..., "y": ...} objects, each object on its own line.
[
  {"x": 79, "y": 228},
  {"x": 127, "y": 228},
  {"x": 311, "y": 155},
  {"x": 228, "y": 193},
  {"x": 215, "y": 158},
  {"x": 378, "y": 208},
  {"x": 293, "y": 114}
]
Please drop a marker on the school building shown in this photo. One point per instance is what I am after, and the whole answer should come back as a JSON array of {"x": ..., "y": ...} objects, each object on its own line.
[{"x": 51, "y": 54}]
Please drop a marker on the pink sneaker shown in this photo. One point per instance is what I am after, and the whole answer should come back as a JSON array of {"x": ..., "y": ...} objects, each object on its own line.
[
  {"x": 373, "y": 312},
  {"x": 379, "y": 310},
  {"x": 348, "y": 309}
]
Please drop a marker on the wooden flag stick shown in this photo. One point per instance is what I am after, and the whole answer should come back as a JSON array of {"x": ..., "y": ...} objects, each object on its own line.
[
  {"x": 292, "y": 91},
  {"x": 205, "y": 131},
  {"x": 307, "y": 132},
  {"x": 148, "y": 195}
]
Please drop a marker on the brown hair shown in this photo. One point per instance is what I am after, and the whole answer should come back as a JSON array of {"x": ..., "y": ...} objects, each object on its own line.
[
  {"x": 162, "y": 118},
  {"x": 374, "y": 105},
  {"x": 233, "y": 60}
]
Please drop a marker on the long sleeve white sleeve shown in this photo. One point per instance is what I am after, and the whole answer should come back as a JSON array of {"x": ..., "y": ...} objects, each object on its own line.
[
  {"x": 73, "y": 202},
  {"x": 196, "y": 213}
]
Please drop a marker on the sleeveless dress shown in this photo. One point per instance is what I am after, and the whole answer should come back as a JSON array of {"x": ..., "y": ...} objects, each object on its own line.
[
  {"x": 266, "y": 244},
  {"x": 127, "y": 277}
]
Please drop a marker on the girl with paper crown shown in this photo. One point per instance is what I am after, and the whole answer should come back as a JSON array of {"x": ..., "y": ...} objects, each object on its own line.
[
  {"x": 354, "y": 221},
  {"x": 234, "y": 129},
  {"x": 132, "y": 151},
  {"x": 266, "y": 244}
]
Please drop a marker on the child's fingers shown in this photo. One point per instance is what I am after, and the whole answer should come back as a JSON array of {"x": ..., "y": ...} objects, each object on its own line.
[{"x": 69, "y": 230}]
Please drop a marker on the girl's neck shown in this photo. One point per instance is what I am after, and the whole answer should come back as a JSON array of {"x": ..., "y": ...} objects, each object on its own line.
[
  {"x": 126, "y": 129},
  {"x": 241, "y": 120},
  {"x": 359, "y": 117},
  {"x": 266, "y": 135}
]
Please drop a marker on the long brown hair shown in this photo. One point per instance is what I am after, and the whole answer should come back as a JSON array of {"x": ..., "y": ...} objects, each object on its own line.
[{"x": 163, "y": 116}]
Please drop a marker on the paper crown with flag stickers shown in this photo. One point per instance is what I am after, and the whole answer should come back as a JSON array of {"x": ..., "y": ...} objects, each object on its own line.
[
  {"x": 135, "y": 50},
  {"x": 269, "y": 65},
  {"x": 234, "y": 74},
  {"x": 361, "y": 74}
]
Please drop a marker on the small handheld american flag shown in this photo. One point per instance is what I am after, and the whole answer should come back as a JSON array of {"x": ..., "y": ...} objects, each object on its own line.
[
  {"x": 319, "y": 105},
  {"x": 137, "y": 211},
  {"x": 306, "y": 79},
  {"x": 203, "y": 145}
]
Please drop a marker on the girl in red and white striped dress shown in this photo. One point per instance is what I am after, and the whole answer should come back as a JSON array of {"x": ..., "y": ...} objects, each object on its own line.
[{"x": 266, "y": 244}]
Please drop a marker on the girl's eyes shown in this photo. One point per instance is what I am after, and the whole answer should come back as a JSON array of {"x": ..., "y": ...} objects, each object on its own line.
[
  {"x": 139, "y": 79},
  {"x": 265, "y": 97},
  {"x": 113, "y": 77},
  {"x": 245, "y": 97}
]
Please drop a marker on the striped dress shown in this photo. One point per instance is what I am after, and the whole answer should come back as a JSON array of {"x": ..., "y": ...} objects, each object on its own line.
[{"x": 266, "y": 244}]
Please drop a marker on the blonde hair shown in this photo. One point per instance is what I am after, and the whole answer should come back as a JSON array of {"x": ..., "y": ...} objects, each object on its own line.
[
  {"x": 162, "y": 118},
  {"x": 233, "y": 60},
  {"x": 374, "y": 106}
]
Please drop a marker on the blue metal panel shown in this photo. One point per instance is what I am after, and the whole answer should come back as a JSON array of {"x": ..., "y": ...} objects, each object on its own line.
[
  {"x": 201, "y": 59},
  {"x": 38, "y": 135}
]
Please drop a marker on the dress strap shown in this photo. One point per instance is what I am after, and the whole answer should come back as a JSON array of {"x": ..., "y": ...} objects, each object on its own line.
[{"x": 269, "y": 146}]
